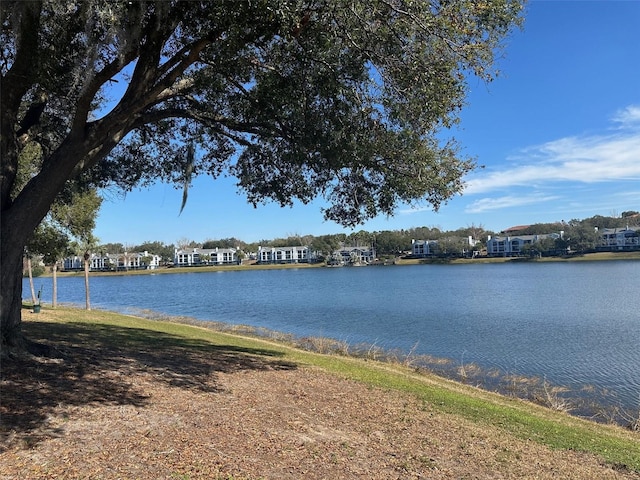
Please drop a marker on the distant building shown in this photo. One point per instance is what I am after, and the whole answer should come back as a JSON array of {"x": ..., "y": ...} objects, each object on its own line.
[
  {"x": 291, "y": 254},
  {"x": 355, "y": 255},
  {"x": 114, "y": 261},
  {"x": 205, "y": 256},
  {"x": 506, "y": 246},
  {"x": 136, "y": 261},
  {"x": 428, "y": 248},
  {"x": 423, "y": 248},
  {"x": 73, "y": 263},
  {"x": 619, "y": 239}
]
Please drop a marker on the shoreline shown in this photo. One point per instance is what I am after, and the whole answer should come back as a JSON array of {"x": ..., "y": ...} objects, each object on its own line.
[
  {"x": 587, "y": 257},
  {"x": 204, "y": 403},
  {"x": 586, "y": 402}
]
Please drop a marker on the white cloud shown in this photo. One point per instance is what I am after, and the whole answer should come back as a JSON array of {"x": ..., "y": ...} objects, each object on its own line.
[
  {"x": 629, "y": 116},
  {"x": 633, "y": 195},
  {"x": 586, "y": 159},
  {"x": 557, "y": 171},
  {"x": 508, "y": 201}
]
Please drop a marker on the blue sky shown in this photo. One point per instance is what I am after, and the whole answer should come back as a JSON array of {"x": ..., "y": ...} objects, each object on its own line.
[{"x": 558, "y": 134}]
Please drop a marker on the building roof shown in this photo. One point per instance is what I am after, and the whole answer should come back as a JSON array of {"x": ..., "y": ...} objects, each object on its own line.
[
  {"x": 517, "y": 228},
  {"x": 537, "y": 236},
  {"x": 202, "y": 251}
]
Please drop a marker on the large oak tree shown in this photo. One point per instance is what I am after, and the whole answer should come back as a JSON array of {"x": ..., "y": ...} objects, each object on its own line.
[{"x": 344, "y": 99}]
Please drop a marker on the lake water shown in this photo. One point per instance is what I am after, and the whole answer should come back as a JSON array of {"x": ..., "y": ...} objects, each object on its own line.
[{"x": 573, "y": 323}]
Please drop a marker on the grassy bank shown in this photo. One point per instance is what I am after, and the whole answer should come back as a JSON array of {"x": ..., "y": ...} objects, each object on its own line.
[
  {"x": 614, "y": 445},
  {"x": 587, "y": 257}
]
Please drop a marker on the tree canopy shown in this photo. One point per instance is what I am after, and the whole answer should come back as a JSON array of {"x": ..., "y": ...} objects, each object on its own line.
[{"x": 294, "y": 98}]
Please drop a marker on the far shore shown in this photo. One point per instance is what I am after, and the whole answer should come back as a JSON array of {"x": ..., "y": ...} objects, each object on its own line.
[{"x": 588, "y": 257}]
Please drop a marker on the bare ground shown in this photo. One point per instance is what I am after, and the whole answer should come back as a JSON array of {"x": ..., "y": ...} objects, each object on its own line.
[{"x": 193, "y": 411}]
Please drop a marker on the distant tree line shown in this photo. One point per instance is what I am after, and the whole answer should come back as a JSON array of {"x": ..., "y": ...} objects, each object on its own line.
[{"x": 579, "y": 236}]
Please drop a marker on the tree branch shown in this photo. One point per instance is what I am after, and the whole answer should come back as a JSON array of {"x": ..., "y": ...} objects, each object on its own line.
[
  {"x": 210, "y": 121},
  {"x": 88, "y": 94},
  {"x": 13, "y": 87}
]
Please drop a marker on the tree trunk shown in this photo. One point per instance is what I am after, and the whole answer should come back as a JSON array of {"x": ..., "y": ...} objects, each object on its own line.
[
  {"x": 54, "y": 300},
  {"x": 86, "y": 282},
  {"x": 10, "y": 296},
  {"x": 33, "y": 290}
]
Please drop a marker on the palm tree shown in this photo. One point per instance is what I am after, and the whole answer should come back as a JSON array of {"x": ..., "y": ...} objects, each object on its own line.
[
  {"x": 28, "y": 254},
  {"x": 88, "y": 243},
  {"x": 87, "y": 257}
]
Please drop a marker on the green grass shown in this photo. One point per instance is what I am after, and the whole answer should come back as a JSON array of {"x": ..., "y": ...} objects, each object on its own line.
[{"x": 525, "y": 420}]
